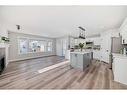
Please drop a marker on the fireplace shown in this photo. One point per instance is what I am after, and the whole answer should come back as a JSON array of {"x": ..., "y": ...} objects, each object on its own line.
[{"x": 2, "y": 63}]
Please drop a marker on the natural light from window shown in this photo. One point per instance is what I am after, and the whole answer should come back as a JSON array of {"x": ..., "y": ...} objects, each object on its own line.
[{"x": 34, "y": 46}]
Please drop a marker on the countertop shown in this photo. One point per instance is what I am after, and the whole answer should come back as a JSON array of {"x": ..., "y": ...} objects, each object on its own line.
[
  {"x": 119, "y": 55},
  {"x": 79, "y": 52}
]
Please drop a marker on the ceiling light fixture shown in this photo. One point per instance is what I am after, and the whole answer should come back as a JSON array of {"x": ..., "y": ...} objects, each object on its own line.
[{"x": 81, "y": 32}]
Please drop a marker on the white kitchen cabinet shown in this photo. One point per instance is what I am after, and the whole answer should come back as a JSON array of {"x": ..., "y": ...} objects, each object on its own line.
[
  {"x": 124, "y": 35},
  {"x": 123, "y": 32},
  {"x": 89, "y": 39},
  {"x": 72, "y": 42},
  {"x": 96, "y": 54},
  {"x": 77, "y": 41},
  {"x": 97, "y": 41},
  {"x": 119, "y": 67}
]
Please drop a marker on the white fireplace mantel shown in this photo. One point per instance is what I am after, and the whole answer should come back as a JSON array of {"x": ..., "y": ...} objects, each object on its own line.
[{"x": 4, "y": 45}]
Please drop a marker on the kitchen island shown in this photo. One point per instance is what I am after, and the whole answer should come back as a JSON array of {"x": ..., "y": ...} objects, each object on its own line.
[{"x": 80, "y": 60}]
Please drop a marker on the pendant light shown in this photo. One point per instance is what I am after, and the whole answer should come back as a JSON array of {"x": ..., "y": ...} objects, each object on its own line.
[{"x": 81, "y": 32}]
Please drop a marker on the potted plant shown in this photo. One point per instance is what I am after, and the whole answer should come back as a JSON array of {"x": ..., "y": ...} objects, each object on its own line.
[
  {"x": 5, "y": 39},
  {"x": 81, "y": 45}
]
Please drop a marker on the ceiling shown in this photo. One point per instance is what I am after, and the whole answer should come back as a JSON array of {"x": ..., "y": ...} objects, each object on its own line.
[{"x": 57, "y": 21}]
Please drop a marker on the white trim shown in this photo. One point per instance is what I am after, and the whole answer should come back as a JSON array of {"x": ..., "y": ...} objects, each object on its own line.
[
  {"x": 18, "y": 40},
  {"x": 4, "y": 45},
  {"x": 31, "y": 58}
]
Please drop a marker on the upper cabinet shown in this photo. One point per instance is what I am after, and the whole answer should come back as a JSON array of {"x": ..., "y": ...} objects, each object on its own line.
[
  {"x": 71, "y": 42},
  {"x": 123, "y": 32},
  {"x": 95, "y": 40}
]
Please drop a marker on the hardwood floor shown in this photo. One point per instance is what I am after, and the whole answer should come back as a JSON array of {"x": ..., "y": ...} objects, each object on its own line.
[{"x": 24, "y": 75}]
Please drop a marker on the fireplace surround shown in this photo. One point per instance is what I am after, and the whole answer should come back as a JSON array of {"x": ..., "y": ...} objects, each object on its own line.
[{"x": 2, "y": 64}]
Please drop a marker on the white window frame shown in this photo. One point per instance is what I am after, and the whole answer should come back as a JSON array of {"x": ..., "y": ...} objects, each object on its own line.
[
  {"x": 45, "y": 50},
  {"x": 19, "y": 45},
  {"x": 28, "y": 47}
]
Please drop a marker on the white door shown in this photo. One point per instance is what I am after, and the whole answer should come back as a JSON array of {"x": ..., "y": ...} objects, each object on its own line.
[
  {"x": 59, "y": 47},
  {"x": 64, "y": 46},
  {"x": 105, "y": 48}
]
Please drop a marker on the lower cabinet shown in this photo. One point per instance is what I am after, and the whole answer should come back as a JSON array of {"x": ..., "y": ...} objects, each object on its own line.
[
  {"x": 96, "y": 54},
  {"x": 119, "y": 67},
  {"x": 80, "y": 61}
]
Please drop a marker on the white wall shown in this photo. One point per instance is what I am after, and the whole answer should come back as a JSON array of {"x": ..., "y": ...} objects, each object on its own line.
[
  {"x": 3, "y": 30},
  {"x": 13, "y": 49}
]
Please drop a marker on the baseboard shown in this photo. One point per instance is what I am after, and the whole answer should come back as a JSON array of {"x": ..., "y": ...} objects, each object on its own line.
[{"x": 16, "y": 60}]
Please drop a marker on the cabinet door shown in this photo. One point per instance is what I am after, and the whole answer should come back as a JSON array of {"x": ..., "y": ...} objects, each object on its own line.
[
  {"x": 124, "y": 34},
  {"x": 120, "y": 70},
  {"x": 86, "y": 59},
  {"x": 79, "y": 61},
  {"x": 97, "y": 41},
  {"x": 73, "y": 60},
  {"x": 72, "y": 42},
  {"x": 96, "y": 54}
]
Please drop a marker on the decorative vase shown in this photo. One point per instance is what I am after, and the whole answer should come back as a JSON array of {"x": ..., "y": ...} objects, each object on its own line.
[{"x": 81, "y": 49}]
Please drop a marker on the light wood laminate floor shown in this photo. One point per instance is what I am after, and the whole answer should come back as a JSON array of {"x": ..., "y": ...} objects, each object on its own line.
[{"x": 24, "y": 75}]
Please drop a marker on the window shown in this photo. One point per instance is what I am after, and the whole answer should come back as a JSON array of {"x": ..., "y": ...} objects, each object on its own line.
[
  {"x": 49, "y": 46},
  {"x": 37, "y": 46},
  {"x": 43, "y": 46},
  {"x": 23, "y": 46},
  {"x": 33, "y": 46}
]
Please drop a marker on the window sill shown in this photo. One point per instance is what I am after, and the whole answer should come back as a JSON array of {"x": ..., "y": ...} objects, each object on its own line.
[{"x": 34, "y": 53}]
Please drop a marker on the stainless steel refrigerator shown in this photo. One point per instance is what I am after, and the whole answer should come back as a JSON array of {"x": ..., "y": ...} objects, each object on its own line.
[{"x": 116, "y": 46}]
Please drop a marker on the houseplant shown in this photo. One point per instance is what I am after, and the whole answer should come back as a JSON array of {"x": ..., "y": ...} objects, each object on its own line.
[
  {"x": 81, "y": 45},
  {"x": 4, "y": 40}
]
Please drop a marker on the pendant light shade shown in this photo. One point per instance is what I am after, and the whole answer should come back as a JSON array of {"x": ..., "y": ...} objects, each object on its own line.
[{"x": 81, "y": 32}]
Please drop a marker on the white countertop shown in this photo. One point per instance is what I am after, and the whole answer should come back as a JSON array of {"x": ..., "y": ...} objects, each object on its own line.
[
  {"x": 79, "y": 52},
  {"x": 119, "y": 55}
]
